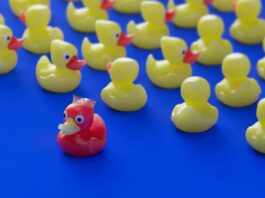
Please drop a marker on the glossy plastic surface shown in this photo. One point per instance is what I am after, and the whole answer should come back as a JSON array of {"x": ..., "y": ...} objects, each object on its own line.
[
  {"x": 128, "y": 6},
  {"x": 223, "y": 5}
]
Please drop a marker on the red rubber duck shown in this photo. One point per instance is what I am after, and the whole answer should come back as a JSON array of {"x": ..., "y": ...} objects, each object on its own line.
[{"x": 83, "y": 132}]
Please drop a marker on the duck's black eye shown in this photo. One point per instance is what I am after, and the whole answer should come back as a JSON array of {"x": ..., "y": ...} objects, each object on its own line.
[
  {"x": 79, "y": 119},
  {"x": 65, "y": 115},
  {"x": 66, "y": 56},
  {"x": 7, "y": 38},
  {"x": 117, "y": 35},
  {"x": 183, "y": 52}
]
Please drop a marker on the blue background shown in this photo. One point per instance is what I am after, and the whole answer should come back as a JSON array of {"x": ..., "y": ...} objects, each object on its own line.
[{"x": 145, "y": 155}]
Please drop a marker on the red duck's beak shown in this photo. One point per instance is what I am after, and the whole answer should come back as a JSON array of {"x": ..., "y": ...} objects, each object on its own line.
[
  {"x": 190, "y": 57},
  {"x": 208, "y": 2},
  {"x": 109, "y": 67},
  {"x": 22, "y": 16},
  {"x": 107, "y": 4},
  {"x": 170, "y": 14},
  {"x": 75, "y": 63},
  {"x": 124, "y": 39},
  {"x": 234, "y": 5},
  {"x": 15, "y": 44}
]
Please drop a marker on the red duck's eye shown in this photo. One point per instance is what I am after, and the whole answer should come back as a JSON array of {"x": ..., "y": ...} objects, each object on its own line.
[{"x": 79, "y": 119}]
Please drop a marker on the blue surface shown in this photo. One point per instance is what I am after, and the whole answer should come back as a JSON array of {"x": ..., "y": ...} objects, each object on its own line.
[{"x": 145, "y": 155}]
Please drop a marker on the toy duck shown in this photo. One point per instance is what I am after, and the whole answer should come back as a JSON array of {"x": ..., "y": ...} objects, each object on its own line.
[
  {"x": 38, "y": 36},
  {"x": 8, "y": 46},
  {"x": 261, "y": 64},
  {"x": 63, "y": 74},
  {"x": 189, "y": 13},
  {"x": 2, "y": 20},
  {"x": 22, "y": 5},
  {"x": 170, "y": 73},
  {"x": 248, "y": 28},
  {"x": 83, "y": 132},
  {"x": 195, "y": 114},
  {"x": 128, "y": 6},
  {"x": 211, "y": 46},
  {"x": 84, "y": 19},
  {"x": 256, "y": 133},
  {"x": 236, "y": 89},
  {"x": 122, "y": 94},
  {"x": 223, "y": 5},
  {"x": 147, "y": 35},
  {"x": 111, "y": 46}
]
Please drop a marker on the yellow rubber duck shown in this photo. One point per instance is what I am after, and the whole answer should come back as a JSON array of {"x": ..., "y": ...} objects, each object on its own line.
[
  {"x": 261, "y": 64},
  {"x": 38, "y": 35},
  {"x": 256, "y": 133},
  {"x": 171, "y": 72},
  {"x": 147, "y": 35},
  {"x": 8, "y": 46},
  {"x": 22, "y": 5},
  {"x": 84, "y": 19},
  {"x": 112, "y": 45},
  {"x": 128, "y": 6},
  {"x": 122, "y": 94},
  {"x": 2, "y": 20},
  {"x": 236, "y": 89},
  {"x": 63, "y": 74},
  {"x": 248, "y": 28},
  {"x": 223, "y": 5},
  {"x": 189, "y": 13},
  {"x": 211, "y": 46},
  {"x": 195, "y": 114}
]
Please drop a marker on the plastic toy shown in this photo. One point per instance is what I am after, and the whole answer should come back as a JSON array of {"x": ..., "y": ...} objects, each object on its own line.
[
  {"x": 236, "y": 89},
  {"x": 189, "y": 13},
  {"x": 248, "y": 28},
  {"x": 171, "y": 72},
  {"x": 147, "y": 35},
  {"x": 63, "y": 74},
  {"x": 84, "y": 19},
  {"x": 38, "y": 35},
  {"x": 212, "y": 48},
  {"x": 128, "y": 6},
  {"x": 223, "y": 5},
  {"x": 2, "y": 20},
  {"x": 256, "y": 133},
  {"x": 8, "y": 45},
  {"x": 195, "y": 114},
  {"x": 22, "y": 5},
  {"x": 122, "y": 94},
  {"x": 261, "y": 64},
  {"x": 83, "y": 132},
  {"x": 111, "y": 46}
]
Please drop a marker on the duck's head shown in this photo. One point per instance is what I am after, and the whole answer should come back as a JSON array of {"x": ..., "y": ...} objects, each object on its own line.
[
  {"x": 261, "y": 111},
  {"x": 109, "y": 33},
  {"x": 175, "y": 50},
  {"x": 7, "y": 39},
  {"x": 195, "y": 90},
  {"x": 206, "y": 30},
  {"x": 99, "y": 4},
  {"x": 199, "y": 2},
  {"x": 236, "y": 66},
  {"x": 247, "y": 10},
  {"x": 65, "y": 55},
  {"x": 123, "y": 70},
  {"x": 36, "y": 16}
]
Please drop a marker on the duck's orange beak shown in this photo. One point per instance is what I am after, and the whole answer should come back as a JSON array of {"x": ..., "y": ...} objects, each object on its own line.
[
  {"x": 15, "y": 44},
  {"x": 109, "y": 67},
  {"x": 22, "y": 16},
  {"x": 190, "y": 57},
  {"x": 75, "y": 63},
  {"x": 170, "y": 14},
  {"x": 124, "y": 39},
  {"x": 208, "y": 2},
  {"x": 107, "y": 4}
]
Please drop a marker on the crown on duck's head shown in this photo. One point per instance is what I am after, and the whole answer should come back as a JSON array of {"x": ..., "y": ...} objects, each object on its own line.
[{"x": 83, "y": 101}]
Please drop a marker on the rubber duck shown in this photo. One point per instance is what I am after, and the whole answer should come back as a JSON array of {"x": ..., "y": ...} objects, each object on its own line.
[
  {"x": 195, "y": 115},
  {"x": 189, "y": 13},
  {"x": 84, "y": 19},
  {"x": 171, "y": 72},
  {"x": 121, "y": 93},
  {"x": 248, "y": 28},
  {"x": 38, "y": 35},
  {"x": 237, "y": 89},
  {"x": 211, "y": 46},
  {"x": 128, "y": 6},
  {"x": 261, "y": 64},
  {"x": 63, "y": 74},
  {"x": 22, "y": 5},
  {"x": 8, "y": 47},
  {"x": 83, "y": 132},
  {"x": 112, "y": 45},
  {"x": 223, "y": 5},
  {"x": 2, "y": 20},
  {"x": 255, "y": 134},
  {"x": 147, "y": 35}
]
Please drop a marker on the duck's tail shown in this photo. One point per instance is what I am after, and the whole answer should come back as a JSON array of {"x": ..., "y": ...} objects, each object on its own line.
[
  {"x": 57, "y": 34},
  {"x": 150, "y": 63},
  {"x": 171, "y": 4},
  {"x": 131, "y": 27},
  {"x": 86, "y": 47},
  {"x": 42, "y": 65},
  {"x": 71, "y": 14}
]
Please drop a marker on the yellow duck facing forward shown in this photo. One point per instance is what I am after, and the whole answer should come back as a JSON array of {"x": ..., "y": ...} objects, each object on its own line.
[
  {"x": 223, "y": 5},
  {"x": 63, "y": 74},
  {"x": 195, "y": 114},
  {"x": 261, "y": 64},
  {"x": 128, "y": 6},
  {"x": 122, "y": 94},
  {"x": 84, "y": 19},
  {"x": 236, "y": 89},
  {"x": 112, "y": 45},
  {"x": 171, "y": 72}
]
